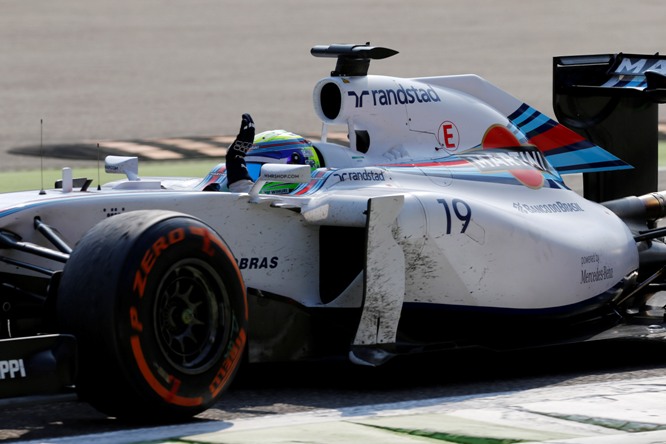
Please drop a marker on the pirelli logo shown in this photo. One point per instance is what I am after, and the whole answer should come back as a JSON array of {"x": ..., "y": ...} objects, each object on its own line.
[{"x": 12, "y": 369}]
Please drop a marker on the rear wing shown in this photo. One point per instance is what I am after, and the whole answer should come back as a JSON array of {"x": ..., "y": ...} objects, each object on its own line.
[
  {"x": 594, "y": 73},
  {"x": 612, "y": 100}
]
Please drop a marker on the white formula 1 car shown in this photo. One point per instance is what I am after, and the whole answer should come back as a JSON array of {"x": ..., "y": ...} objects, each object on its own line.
[{"x": 445, "y": 223}]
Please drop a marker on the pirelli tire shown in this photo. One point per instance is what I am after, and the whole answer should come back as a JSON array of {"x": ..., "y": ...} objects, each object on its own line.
[{"x": 159, "y": 309}]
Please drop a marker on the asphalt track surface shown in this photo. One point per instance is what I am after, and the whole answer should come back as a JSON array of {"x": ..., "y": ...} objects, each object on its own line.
[
  {"x": 268, "y": 391},
  {"x": 121, "y": 70}
]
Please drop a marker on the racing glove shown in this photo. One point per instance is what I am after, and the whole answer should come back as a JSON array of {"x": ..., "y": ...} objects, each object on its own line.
[{"x": 235, "y": 159}]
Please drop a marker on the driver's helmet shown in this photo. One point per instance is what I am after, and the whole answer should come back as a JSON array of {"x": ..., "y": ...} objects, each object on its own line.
[{"x": 280, "y": 146}]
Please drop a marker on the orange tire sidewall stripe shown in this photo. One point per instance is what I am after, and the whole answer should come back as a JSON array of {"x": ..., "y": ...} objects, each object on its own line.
[{"x": 166, "y": 394}]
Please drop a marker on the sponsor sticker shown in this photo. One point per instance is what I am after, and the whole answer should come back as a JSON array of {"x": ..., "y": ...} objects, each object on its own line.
[
  {"x": 361, "y": 175},
  {"x": 638, "y": 66},
  {"x": 257, "y": 263},
  {"x": 394, "y": 96},
  {"x": 548, "y": 208},
  {"x": 12, "y": 369},
  {"x": 592, "y": 271}
]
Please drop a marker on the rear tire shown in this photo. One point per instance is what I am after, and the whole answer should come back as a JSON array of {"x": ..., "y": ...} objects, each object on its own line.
[{"x": 159, "y": 309}]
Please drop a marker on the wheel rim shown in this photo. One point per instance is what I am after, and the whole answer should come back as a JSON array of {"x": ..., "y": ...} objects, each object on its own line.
[{"x": 192, "y": 316}]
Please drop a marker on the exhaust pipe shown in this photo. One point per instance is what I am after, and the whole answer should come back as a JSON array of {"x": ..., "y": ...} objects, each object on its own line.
[{"x": 646, "y": 208}]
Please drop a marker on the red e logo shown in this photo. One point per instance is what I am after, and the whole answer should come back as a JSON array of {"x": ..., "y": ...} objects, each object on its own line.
[{"x": 448, "y": 136}]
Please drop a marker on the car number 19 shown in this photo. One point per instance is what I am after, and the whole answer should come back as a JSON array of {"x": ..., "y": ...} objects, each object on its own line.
[{"x": 461, "y": 210}]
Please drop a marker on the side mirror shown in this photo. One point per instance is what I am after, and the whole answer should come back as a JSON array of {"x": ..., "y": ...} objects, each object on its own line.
[
  {"x": 122, "y": 165},
  {"x": 279, "y": 172}
]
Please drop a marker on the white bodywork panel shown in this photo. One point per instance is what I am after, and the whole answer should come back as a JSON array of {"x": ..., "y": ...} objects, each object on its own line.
[{"x": 466, "y": 243}]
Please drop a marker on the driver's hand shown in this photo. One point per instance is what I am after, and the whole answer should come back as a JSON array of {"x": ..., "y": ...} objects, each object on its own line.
[
  {"x": 246, "y": 133},
  {"x": 244, "y": 139}
]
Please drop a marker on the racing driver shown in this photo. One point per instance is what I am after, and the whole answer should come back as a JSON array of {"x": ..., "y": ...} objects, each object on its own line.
[{"x": 276, "y": 146}]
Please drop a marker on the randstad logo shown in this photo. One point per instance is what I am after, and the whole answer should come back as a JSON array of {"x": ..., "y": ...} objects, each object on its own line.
[{"x": 397, "y": 96}]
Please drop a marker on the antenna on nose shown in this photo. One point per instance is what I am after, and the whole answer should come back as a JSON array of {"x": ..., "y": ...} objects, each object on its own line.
[{"x": 41, "y": 154}]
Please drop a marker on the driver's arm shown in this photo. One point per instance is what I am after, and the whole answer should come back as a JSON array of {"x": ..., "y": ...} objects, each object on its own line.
[{"x": 238, "y": 178}]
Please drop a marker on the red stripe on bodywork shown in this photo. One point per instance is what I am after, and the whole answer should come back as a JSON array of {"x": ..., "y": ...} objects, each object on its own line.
[{"x": 556, "y": 137}]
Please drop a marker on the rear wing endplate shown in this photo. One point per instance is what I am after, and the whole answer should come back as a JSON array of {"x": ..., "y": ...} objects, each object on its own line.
[{"x": 612, "y": 100}]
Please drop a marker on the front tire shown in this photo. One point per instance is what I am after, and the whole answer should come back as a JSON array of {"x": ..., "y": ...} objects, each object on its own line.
[{"x": 159, "y": 309}]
